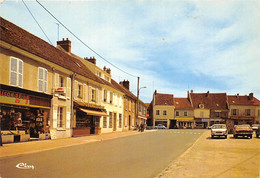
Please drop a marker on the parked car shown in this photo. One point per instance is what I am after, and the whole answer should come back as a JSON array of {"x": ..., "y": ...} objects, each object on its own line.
[
  {"x": 255, "y": 126},
  {"x": 218, "y": 130},
  {"x": 257, "y": 132},
  {"x": 160, "y": 126},
  {"x": 243, "y": 130}
]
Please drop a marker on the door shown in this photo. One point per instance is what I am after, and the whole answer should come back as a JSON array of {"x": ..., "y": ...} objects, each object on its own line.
[{"x": 114, "y": 120}]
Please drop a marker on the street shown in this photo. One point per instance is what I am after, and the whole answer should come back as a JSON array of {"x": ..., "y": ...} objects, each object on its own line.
[{"x": 142, "y": 155}]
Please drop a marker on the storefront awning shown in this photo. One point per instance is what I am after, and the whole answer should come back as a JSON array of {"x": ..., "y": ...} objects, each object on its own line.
[
  {"x": 94, "y": 113},
  {"x": 141, "y": 117}
]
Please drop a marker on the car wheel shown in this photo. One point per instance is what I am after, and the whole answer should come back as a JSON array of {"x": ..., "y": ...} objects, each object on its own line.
[
  {"x": 257, "y": 135},
  {"x": 225, "y": 136},
  {"x": 235, "y": 136},
  {"x": 212, "y": 136},
  {"x": 250, "y": 137}
]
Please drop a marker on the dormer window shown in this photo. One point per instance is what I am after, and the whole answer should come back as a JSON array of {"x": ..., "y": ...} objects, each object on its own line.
[{"x": 201, "y": 106}]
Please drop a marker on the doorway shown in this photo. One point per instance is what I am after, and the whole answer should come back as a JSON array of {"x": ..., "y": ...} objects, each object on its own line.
[
  {"x": 129, "y": 122},
  {"x": 114, "y": 119}
]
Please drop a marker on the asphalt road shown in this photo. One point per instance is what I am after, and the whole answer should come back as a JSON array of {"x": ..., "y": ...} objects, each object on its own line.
[{"x": 142, "y": 155}]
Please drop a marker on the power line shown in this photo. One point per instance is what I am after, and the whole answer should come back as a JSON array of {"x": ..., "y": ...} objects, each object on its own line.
[
  {"x": 37, "y": 22},
  {"x": 83, "y": 42}
]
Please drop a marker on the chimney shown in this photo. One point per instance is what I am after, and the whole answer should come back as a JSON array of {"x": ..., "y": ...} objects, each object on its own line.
[
  {"x": 251, "y": 96},
  {"x": 237, "y": 95},
  {"x": 108, "y": 70},
  {"x": 191, "y": 91},
  {"x": 65, "y": 44},
  {"x": 155, "y": 92},
  {"x": 104, "y": 68},
  {"x": 125, "y": 84},
  {"x": 92, "y": 60},
  {"x": 207, "y": 94}
]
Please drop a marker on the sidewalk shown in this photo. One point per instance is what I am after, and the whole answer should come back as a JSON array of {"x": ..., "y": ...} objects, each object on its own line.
[
  {"x": 217, "y": 158},
  {"x": 43, "y": 145}
]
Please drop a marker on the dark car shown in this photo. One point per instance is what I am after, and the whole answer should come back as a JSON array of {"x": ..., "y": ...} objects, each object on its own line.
[
  {"x": 257, "y": 132},
  {"x": 149, "y": 127},
  {"x": 243, "y": 130}
]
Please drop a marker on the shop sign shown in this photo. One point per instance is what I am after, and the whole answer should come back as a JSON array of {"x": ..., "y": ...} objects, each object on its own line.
[{"x": 14, "y": 97}]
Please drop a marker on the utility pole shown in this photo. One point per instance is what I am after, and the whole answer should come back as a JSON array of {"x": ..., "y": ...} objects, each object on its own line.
[
  {"x": 137, "y": 103},
  {"x": 58, "y": 30}
]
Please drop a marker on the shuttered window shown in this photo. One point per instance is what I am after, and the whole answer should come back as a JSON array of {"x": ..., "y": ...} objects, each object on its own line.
[
  {"x": 104, "y": 122},
  {"x": 16, "y": 72},
  {"x": 120, "y": 120},
  {"x": 42, "y": 79}
]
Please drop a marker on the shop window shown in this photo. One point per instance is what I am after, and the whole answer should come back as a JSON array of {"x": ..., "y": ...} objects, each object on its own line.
[
  {"x": 177, "y": 113},
  {"x": 104, "y": 122},
  {"x": 110, "y": 119},
  {"x": 248, "y": 112},
  {"x": 60, "y": 117},
  {"x": 80, "y": 91},
  {"x": 42, "y": 79},
  {"x": 105, "y": 95},
  {"x": 164, "y": 112},
  {"x": 185, "y": 114},
  {"x": 16, "y": 72},
  {"x": 93, "y": 95},
  {"x": 120, "y": 120},
  {"x": 157, "y": 112}
]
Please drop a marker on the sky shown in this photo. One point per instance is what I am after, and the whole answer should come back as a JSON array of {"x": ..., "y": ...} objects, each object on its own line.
[{"x": 173, "y": 46}]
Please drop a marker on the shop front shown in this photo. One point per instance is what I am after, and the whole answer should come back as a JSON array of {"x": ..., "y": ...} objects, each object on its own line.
[
  {"x": 86, "y": 119},
  {"x": 201, "y": 123},
  {"x": 185, "y": 122},
  {"x": 237, "y": 120},
  {"x": 25, "y": 114}
]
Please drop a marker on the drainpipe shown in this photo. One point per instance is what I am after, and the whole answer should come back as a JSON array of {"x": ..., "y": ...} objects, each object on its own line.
[{"x": 72, "y": 99}]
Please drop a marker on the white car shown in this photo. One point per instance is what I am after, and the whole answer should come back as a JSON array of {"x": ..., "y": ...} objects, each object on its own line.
[
  {"x": 160, "y": 126},
  {"x": 218, "y": 130}
]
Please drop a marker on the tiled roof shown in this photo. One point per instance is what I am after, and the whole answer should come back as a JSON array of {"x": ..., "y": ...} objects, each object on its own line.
[
  {"x": 16, "y": 36},
  {"x": 163, "y": 99},
  {"x": 123, "y": 89},
  {"x": 210, "y": 100},
  {"x": 182, "y": 103},
  {"x": 242, "y": 100}
]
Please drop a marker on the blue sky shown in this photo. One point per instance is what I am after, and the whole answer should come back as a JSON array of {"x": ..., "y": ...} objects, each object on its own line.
[{"x": 172, "y": 45}]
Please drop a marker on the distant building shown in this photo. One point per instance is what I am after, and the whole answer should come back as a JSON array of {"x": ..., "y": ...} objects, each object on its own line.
[{"x": 184, "y": 113}]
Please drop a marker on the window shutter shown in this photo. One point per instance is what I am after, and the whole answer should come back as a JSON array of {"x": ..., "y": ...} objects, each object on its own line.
[
  {"x": 97, "y": 95},
  {"x": 85, "y": 87},
  {"x": 57, "y": 77},
  {"x": 45, "y": 80},
  {"x": 20, "y": 74},
  {"x": 68, "y": 118},
  {"x": 40, "y": 79},
  {"x": 76, "y": 89},
  {"x": 89, "y": 93},
  {"x": 54, "y": 115},
  {"x": 13, "y": 71},
  {"x": 68, "y": 94},
  {"x": 108, "y": 96}
]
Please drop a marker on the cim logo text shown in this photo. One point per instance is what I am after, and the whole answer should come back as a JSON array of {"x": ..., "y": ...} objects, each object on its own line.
[{"x": 24, "y": 166}]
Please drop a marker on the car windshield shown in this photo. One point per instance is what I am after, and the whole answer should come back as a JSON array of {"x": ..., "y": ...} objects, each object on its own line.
[
  {"x": 243, "y": 126},
  {"x": 219, "y": 127}
]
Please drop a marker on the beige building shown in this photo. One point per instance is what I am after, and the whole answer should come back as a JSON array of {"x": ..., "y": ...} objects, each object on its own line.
[
  {"x": 184, "y": 113},
  {"x": 163, "y": 109}
]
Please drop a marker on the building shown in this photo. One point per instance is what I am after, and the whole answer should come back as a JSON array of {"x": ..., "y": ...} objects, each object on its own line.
[
  {"x": 184, "y": 113},
  {"x": 142, "y": 113},
  {"x": 243, "y": 110},
  {"x": 163, "y": 110}
]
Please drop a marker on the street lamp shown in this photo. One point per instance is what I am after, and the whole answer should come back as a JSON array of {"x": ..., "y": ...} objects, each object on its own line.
[{"x": 138, "y": 91}]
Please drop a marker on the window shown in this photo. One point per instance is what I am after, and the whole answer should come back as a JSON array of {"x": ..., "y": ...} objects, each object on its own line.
[
  {"x": 111, "y": 97},
  {"x": 80, "y": 91},
  {"x": 61, "y": 81},
  {"x": 217, "y": 114},
  {"x": 105, "y": 95},
  {"x": 185, "y": 114},
  {"x": 110, "y": 119},
  {"x": 16, "y": 72},
  {"x": 234, "y": 112},
  {"x": 157, "y": 112},
  {"x": 93, "y": 95},
  {"x": 177, "y": 113},
  {"x": 60, "y": 117},
  {"x": 201, "y": 106},
  {"x": 104, "y": 122},
  {"x": 120, "y": 120},
  {"x": 164, "y": 112},
  {"x": 248, "y": 112},
  {"x": 42, "y": 79}
]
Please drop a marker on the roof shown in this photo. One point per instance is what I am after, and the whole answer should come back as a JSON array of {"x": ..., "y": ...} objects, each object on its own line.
[
  {"x": 182, "y": 103},
  {"x": 242, "y": 100},
  {"x": 123, "y": 89},
  {"x": 164, "y": 99},
  {"x": 210, "y": 100},
  {"x": 16, "y": 36}
]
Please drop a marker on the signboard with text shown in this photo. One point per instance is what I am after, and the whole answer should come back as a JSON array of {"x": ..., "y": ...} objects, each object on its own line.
[{"x": 14, "y": 97}]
